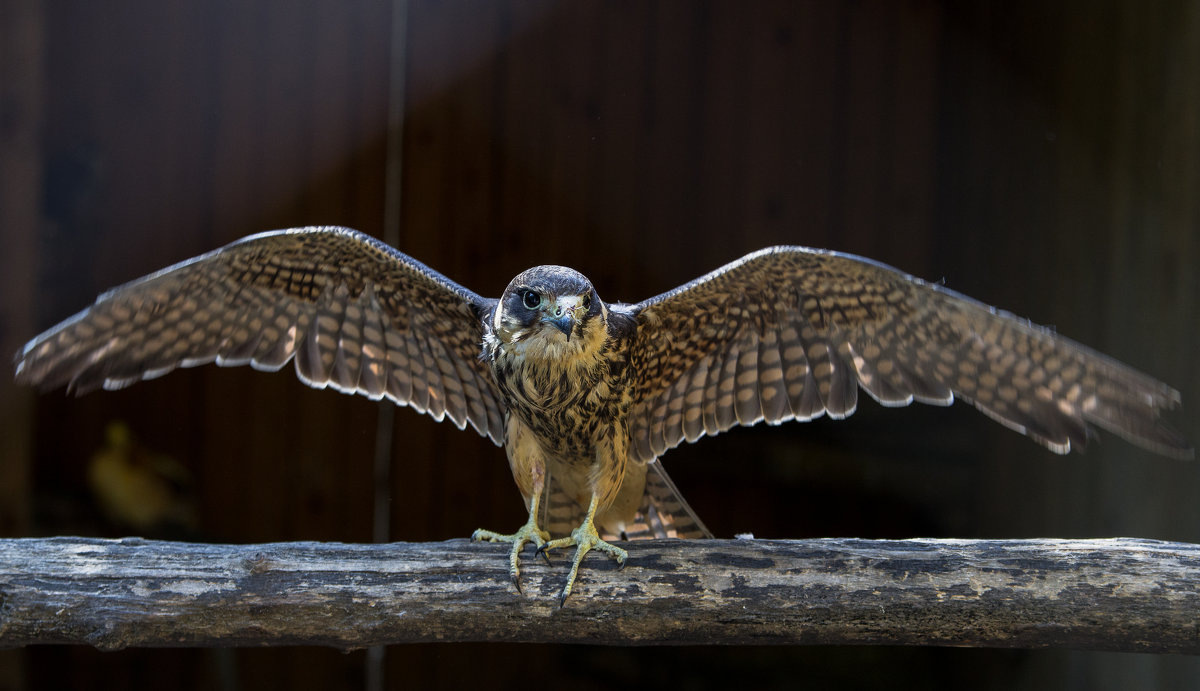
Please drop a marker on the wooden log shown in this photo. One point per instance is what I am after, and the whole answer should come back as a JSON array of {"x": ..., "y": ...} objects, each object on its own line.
[{"x": 1112, "y": 594}]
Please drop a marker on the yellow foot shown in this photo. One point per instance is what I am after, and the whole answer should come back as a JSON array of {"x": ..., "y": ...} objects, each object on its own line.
[
  {"x": 527, "y": 533},
  {"x": 587, "y": 539}
]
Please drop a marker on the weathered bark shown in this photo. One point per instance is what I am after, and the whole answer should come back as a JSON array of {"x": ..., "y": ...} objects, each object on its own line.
[{"x": 1117, "y": 594}]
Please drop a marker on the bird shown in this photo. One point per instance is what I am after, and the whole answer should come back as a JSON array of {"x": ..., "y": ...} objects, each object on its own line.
[
  {"x": 585, "y": 396},
  {"x": 137, "y": 487}
]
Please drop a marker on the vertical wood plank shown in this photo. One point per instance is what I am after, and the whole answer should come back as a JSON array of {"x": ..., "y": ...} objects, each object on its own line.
[{"x": 22, "y": 90}]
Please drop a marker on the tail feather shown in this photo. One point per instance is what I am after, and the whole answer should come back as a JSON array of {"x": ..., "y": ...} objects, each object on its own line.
[
  {"x": 663, "y": 511},
  {"x": 560, "y": 512}
]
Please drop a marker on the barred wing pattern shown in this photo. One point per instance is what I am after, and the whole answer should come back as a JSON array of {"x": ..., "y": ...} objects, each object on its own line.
[
  {"x": 791, "y": 333},
  {"x": 354, "y": 313}
]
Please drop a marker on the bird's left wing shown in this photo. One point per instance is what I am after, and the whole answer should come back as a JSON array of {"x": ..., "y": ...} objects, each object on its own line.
[
  {"x": 354, "y": 313},
  {"x": 792, "y": 333}
]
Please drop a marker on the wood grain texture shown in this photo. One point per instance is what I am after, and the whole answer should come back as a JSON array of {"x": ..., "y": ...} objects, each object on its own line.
[{"x": 1112, "y": 594}]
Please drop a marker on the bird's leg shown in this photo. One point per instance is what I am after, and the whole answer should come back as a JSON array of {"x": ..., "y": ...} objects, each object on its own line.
[
  {"x": 526, "y": 533},
  {"x": 587, "y": 539}
]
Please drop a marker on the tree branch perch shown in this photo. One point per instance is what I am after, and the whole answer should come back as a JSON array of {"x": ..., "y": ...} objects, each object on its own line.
[{"x": 1114, "y": 594}]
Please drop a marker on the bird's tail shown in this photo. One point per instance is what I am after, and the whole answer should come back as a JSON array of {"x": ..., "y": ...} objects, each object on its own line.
[{"x": 662, "y": 512}]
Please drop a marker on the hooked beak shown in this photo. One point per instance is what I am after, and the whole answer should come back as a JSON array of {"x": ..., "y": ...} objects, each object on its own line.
[
  {"x": 565, "y": 324},
  {"x": 563, "y": 315}
]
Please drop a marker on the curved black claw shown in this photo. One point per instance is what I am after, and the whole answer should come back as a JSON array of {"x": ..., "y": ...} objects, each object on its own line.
[
  {"x": 527, "y": 533},
  {"x": 584, "y": 539}
]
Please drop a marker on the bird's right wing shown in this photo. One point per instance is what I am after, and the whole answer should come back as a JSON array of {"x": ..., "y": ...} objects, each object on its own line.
[{"x": 354, "y": 313}]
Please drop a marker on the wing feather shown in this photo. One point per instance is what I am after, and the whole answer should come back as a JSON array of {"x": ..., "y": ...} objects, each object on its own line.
[
  {"x": 842, "y": 399},
  {"x": 714, "y": 362},
  {"x": 373, "y": 373},
  {"x": 771, "y": 382},
  {"x": 792, "y": 333},
  {"x": 747, "y": 405},
  {"x": 694, "y": 401},
  {"x": 351, "y": 312}
]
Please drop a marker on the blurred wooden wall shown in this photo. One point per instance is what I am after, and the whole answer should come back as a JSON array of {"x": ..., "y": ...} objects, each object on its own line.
[{"x": 1041, "y": 157}]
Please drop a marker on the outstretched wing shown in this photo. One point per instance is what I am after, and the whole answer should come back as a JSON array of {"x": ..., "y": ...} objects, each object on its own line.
[
  {"x": 792, "y": 333},
  {"x": 354, "y": 313}
]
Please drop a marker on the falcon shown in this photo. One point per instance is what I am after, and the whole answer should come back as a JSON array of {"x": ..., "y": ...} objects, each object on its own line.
[{"x": 584, "y": 395}]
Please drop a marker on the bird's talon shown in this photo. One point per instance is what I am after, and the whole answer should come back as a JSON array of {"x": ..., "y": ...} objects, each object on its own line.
[
  {"x": 528, "y": 533},
  {"x": 585, "y": 538}
]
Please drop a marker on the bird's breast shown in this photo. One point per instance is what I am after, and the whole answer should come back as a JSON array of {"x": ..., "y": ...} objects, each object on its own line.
[{"x": 569, "y": 405}]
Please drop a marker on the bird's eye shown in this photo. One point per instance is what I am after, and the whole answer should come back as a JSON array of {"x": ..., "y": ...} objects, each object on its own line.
[
  {"x": 587, "y": 302},
  {"x": 531, "y": 299}
]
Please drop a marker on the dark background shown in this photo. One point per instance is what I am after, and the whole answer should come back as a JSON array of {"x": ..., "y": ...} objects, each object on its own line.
[{"x": 1044, "y": 158}]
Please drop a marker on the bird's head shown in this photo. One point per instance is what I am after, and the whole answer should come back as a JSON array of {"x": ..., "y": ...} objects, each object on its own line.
[{"x": 553, "y": 309}]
